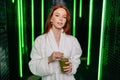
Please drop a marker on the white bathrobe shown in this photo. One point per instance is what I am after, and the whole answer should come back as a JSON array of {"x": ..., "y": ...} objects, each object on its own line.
[{"x": 44, "y": 46}]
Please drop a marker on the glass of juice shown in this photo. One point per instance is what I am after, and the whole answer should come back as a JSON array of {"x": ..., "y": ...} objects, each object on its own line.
[{"x": 62, "y": 62}]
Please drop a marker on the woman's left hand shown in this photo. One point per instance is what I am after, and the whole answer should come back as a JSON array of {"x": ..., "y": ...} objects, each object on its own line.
[{"x": 68, "y": 69}]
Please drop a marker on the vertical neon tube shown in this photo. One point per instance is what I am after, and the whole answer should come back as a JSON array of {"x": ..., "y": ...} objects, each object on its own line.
[
  {"x": 22, "y": 37},
  {"x": 89, "y": 32},
  {"x": 42, "y": 15},
  {"x": 25, "y": 33},
  {"x": 19, "y": 38},
  {"x": 32, "y": 20},
  {"x": 80, "y": 9},
  {"x": 101, "y": 41},
  {"x": 22, "y": 28},
  {"x": 74, "y": 18}
]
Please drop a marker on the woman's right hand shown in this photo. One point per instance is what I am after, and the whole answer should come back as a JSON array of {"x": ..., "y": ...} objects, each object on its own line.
[{"x": 55, "y": 56}]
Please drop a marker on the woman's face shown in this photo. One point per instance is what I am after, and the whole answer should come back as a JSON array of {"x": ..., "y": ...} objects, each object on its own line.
[{"x": 58, "y": 18}]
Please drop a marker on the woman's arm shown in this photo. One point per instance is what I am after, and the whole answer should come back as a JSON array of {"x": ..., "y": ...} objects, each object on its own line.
[
  {"x": 39, "y": 62},
  {"x": 75, "y": 56}
]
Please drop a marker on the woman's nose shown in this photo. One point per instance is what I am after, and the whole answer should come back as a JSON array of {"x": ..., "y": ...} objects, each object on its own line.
[{"x": 60, "y": 18}]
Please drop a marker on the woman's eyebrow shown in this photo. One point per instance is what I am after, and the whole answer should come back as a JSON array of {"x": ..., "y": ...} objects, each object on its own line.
[{"x": 59, "y": 13}]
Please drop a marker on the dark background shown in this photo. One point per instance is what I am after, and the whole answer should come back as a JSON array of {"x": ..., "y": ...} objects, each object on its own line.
[{"x": 9, "y": 42}]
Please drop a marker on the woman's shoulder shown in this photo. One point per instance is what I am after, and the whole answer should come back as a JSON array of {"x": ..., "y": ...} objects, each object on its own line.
[
  {"x": 40, "y": 37},
  {"x": 71, "y": 37}
]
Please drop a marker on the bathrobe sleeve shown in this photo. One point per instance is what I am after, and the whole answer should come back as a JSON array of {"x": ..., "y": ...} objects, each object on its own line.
[
  {"x": 39, "y": 62},
  {"x": 75, "y": 56}
]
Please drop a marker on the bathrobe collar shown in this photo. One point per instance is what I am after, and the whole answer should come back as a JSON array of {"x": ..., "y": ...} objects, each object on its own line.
[{"x": 52, "y": 42}]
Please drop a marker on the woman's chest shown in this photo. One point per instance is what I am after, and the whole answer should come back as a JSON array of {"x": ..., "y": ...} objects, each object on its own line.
[{"x": 65, "y": 48}]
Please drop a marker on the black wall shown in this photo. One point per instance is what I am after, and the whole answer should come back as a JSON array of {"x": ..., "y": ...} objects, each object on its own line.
[{"x": 4, "y": 53}]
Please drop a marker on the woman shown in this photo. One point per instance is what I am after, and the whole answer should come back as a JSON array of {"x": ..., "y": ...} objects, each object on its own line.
[{"x": 56, "y": 43}]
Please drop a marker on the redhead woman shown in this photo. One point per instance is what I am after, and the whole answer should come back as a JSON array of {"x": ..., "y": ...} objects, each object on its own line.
[{"x": 56, "y": 43}]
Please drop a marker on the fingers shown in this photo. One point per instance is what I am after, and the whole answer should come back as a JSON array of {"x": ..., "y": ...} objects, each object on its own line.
[
  {"x": 68, "y": 69},
  {"x": 56, "y": 56}
]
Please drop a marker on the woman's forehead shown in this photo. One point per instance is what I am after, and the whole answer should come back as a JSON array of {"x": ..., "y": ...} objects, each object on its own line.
[{"x": 60, "y": 10}]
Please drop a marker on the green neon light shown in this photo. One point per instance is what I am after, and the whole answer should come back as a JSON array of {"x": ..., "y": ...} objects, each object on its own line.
[
  {"x": 90, "y": 32},
  {"x": 80, "y": 9},
  {"x": 74, "y": 18},
  {"x": 22, "y": 29},
  {"x": 25, "y": 28},
  {"x": 13, "y": 1},
  {"x": 101, "y": 42},
  {"x": 19, "y": 38},
  {"x": 42, "y": 15},
  {"x": 32, "y": 14}
]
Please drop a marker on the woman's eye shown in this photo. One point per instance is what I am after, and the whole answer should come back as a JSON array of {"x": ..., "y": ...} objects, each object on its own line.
[
  {"x": 56, "y": 15},
  {"x": 64, "y": 17}
]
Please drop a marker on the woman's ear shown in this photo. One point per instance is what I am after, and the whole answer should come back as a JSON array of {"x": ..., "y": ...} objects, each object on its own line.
[{"x": 51, "y": 20}]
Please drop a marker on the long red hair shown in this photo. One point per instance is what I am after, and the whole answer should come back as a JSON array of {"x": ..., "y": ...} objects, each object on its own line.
[{"x": 67, "y": 25}]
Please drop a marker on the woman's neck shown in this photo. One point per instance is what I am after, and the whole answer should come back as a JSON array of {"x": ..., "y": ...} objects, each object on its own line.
[{"x": 57, "y": 33}]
